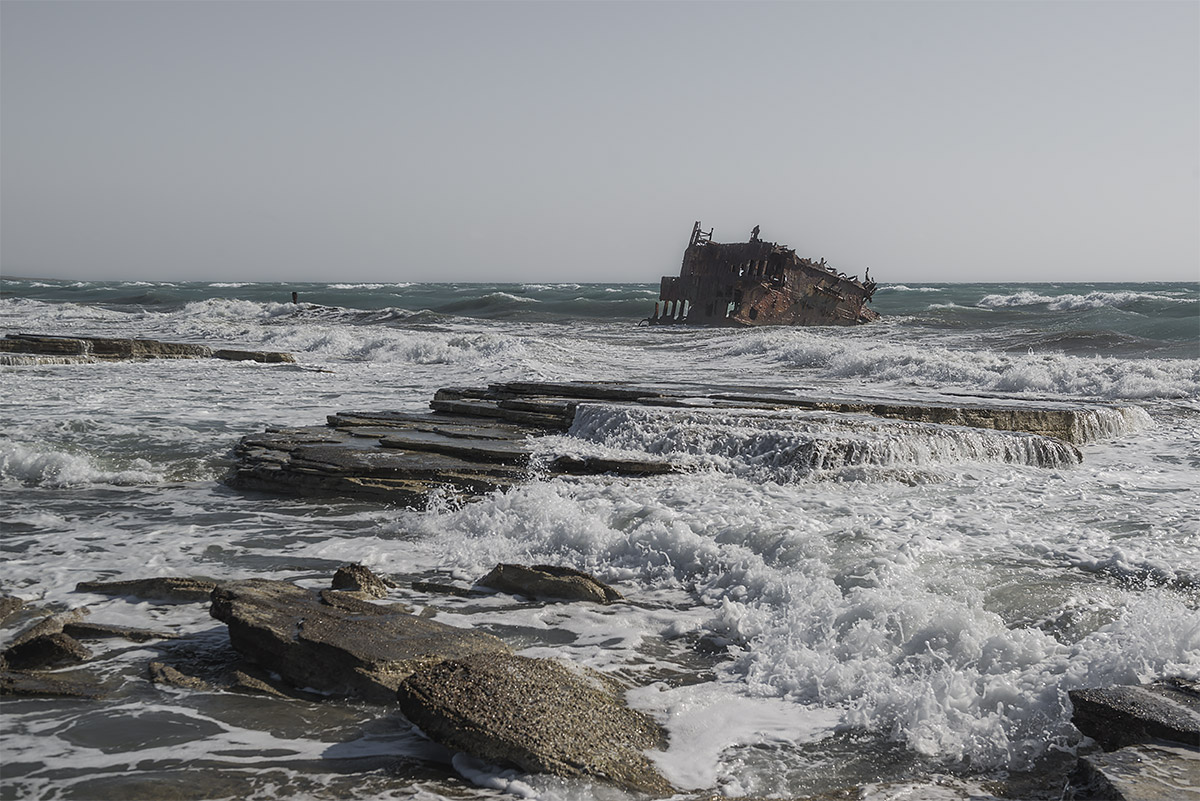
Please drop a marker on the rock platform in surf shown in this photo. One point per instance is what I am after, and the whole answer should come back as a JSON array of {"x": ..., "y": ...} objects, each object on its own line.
[
  {"x": 42, "y": 348},
  {"x": 476, "y": 440}
]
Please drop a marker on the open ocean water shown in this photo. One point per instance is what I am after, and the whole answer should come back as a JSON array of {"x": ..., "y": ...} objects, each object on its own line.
[{"x": 916, "y": 618}]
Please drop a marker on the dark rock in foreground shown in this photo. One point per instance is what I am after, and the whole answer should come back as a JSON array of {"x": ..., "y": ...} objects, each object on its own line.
[
  {"x": 363, "y": 653},
  {"x": 20, "y": 683},
  {"x": 549, "y": 581},
  {"x": 1151, "y": 740},
  {"x": 1144, "y": 772},
  {"x": 43, "y": 644},
  {"x": 535, "y": 714},
  {"x": 1119, "y": 716}
]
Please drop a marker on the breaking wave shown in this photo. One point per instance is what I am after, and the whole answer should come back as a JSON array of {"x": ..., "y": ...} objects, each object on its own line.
[
  {"x": 788, "y": 446},
  {"x": 974, "y": 370},
  {"x": 1092, "y": 300},
  {"x": 33, "y": 466}
]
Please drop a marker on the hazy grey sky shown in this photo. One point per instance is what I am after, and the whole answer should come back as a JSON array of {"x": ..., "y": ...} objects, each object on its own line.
[{"x": 577, "y": 141}]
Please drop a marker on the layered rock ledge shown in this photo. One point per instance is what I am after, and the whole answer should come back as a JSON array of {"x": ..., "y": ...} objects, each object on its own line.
[
  {"x": 476, "y": 440},
  {"x": 21, "y": 348}
]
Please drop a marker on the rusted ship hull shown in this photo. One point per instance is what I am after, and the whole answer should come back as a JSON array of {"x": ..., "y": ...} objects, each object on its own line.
[{"x": 758, "y": 283}]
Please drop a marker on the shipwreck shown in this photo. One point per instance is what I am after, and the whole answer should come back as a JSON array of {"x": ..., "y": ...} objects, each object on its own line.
[{"x": 758, "y": 283}]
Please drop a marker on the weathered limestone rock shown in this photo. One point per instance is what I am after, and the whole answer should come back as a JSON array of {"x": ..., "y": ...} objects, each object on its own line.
[
  {"x": 359, "y": 578},
  {"x": 179, "y": 589},
  {"x": 82, "y": 348},
  {"x": 536, "y": 714},
  {"x": 264, "y": 356},
  {"x": 95, "y": 631},
  {"x": 549, "y": 581},
  {"x": 365, "y": 653},
  {"x": 1143, "y": 772},
  {"x": 480, "y": 440},
  {"x": 162, "y": 673},
  {"x": 19, "y": 683},
  {"x": 447, "y": 589},
  {"x": 9, "y": 605},
  {"x": 1121, "y": 716},
  {"x": 43, "y": 644},
  {"x": 46, "y": 651}
]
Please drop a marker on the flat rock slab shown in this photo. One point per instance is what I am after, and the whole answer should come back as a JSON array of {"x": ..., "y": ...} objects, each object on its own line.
[
  {"x": 20, "y": 683},
  {"x": 84, "y": 348},
  {"x": 1146, "y": 772},
  {"x": 479, "y": 440},
  {"x": 535, "y": 714},
  {"x": 363, "y": 652},
  {"x": 177, "y": 589},
  {"x": 1123, "y": 715}
]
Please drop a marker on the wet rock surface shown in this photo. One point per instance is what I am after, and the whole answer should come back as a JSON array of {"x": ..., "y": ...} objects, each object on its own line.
[
  {"x": 177, "y": 589},
  {"x": 549, "y": 582},
  {"x": 535, "y": 714},
  {"x": 47, "y": 685},
  {"x": 1120, "y": 716},
  {"x": 478, "y": 440},
  {"x": 311, "y": 644},
  {"x": 357, "y": 578},
  {"x": 85, "y": 348},
  {"x": 1151, "y": 740}
]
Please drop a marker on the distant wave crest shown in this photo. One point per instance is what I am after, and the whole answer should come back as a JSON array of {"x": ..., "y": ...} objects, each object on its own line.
[
  {"x": 1092, "y": 300},
  {"x": 978, "y": 370}
]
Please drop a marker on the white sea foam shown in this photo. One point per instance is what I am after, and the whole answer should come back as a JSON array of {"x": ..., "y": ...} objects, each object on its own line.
[
  {"x": 974, "y": 370},
  {"x": 1069, "y": 302},
  {"x": 54, "y": 468},
  {"x": 949, "y": 616},
  {"x": 785, "y": 446},
  {"x": 904, "y": 288}
]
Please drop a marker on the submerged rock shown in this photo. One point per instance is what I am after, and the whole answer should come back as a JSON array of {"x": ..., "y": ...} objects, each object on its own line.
[
  {"x": 535, "y": 714},
  {"x": 9, "y": 605},
  {"x": 363, "y": 653},
  {"x": 82, "y": 348},
  {"x": 180, "y": 589},
  {"x": 20, "y": 683},
  {"x": 549, "y": 581},
  {"x": 95, "y": 631}
]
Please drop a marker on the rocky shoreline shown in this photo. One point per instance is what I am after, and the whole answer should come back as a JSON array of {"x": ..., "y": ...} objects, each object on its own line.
[
  {"x": 468, "y": 691},
  {"x": 18, "y": 349},
  {"x": 477, "y": 440}
]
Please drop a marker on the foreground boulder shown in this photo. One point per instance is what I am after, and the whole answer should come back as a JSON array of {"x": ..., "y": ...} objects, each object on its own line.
[
  {"x": 549, "y": 581},
  {"x": 535, "y": 714},
  {"x": 1151, "y": 739},
  {"x": 1119, "y": 716},
  {"x": 364, "y": 651}
]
